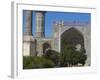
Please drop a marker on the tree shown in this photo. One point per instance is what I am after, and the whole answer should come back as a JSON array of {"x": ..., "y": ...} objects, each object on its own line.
[
  {"x": 33, "y": 62},
  {"x": 67, "y": 55},
  {"x": 53, "y": 55},
  {"x": 71, "y": 57}
]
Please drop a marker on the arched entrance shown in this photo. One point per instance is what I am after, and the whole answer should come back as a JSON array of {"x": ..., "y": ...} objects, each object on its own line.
[
  {"x": 72, "y": 36},
  {"x": 72, "y": 48},
  {"x": 46, "y": 46}
]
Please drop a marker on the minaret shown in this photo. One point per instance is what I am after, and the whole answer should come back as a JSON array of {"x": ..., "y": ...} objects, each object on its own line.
[
  {"x": 40, "y": 24},
  {"x": 29, "y": 42},
  {"x": 28, "y": 23}
]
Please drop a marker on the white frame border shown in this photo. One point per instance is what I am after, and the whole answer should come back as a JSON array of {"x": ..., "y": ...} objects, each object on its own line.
[{"x": 17, "y": 71}]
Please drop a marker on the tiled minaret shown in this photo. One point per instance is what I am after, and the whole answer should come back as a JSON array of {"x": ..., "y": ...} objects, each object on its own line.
[
  {"x": 28, "y": 22},
  {"x": 40, "y": 22},
  {"x": 29, "y": 48}
]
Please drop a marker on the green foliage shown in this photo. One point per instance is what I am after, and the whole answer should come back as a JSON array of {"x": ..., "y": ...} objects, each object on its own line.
[
  {"x": 71, "y": 57},
  {"x": 82, "y": 58},
  {"x": 32, "y": 62},
  {"x": 52, "y": 55},
  {"x": 67, "y": 55}
]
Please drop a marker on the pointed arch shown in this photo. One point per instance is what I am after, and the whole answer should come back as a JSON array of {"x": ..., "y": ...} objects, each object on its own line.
[
  {"x": 72, "y": 36},
  {"x": 46, "y": 46}
]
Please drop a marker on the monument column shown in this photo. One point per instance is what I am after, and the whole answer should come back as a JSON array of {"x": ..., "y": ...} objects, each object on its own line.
[
  {"x": 40, "y": 24},
  {"x": 28, "y": 22}
]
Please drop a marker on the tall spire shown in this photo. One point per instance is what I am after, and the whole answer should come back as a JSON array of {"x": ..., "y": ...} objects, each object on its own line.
[
  {"x": 40, "y": 24},
  {"x": 28, "y": 22}
]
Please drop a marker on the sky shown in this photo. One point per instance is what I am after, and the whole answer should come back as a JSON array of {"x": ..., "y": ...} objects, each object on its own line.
[{"x": 50, "y": 17}]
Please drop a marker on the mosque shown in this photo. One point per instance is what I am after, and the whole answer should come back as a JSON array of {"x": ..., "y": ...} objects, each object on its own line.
[{"x": 39, "y": 44}]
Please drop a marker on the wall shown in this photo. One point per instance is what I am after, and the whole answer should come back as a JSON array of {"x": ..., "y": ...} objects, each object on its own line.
[
  {"x": 5, "y": 41},
  {"x": 29, "y": 47},
  {"x": 40, "y": 42}
]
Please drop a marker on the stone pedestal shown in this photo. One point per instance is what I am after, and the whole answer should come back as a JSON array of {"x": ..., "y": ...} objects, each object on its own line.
[{"x": 29, "y": 46}]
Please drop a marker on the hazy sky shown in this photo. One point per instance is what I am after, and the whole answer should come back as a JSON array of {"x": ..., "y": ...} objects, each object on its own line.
[{"x": 58, "y": 16}]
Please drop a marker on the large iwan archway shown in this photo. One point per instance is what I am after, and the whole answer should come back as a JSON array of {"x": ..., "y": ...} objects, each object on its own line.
[{"x": 72, "y": 36}]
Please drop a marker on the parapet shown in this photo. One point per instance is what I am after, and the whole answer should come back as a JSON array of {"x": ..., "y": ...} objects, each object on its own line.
[{"x": 70, "y": 23}]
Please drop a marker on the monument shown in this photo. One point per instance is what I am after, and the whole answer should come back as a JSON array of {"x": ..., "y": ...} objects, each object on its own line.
[{"x": 39, "y": 44}]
